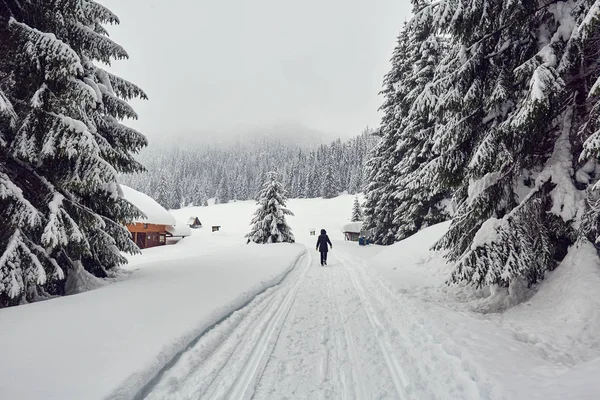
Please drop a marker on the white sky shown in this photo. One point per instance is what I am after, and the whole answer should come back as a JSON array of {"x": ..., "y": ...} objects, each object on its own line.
[{"x": 222, "y": 65}]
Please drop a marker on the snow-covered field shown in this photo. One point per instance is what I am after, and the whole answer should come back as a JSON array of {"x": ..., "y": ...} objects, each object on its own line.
[{"x": 212, "y": 317}]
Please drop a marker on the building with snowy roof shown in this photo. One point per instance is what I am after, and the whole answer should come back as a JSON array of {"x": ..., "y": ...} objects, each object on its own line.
[
  {"x": 352, "y": 231},
  {"x": 194, "y": 223},
  {"x": 152, "y": 229}
]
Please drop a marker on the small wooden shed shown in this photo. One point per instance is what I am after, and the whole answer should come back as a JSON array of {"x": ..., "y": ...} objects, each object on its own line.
[
  {"x": 216, "y": 228},
  {"x": 352, "y": 231},
  {"x": 194, "y": 223}
]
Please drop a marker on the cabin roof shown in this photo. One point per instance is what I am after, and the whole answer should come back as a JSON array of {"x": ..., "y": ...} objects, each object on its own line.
[
  {"x": 154, "y": 212},
  {"x": 353, "y": 227},
  {"x": 179, "y": 230}
]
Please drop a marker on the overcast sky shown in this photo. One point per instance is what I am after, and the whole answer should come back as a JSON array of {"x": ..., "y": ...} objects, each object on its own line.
[{"x": 222, "y": 65}]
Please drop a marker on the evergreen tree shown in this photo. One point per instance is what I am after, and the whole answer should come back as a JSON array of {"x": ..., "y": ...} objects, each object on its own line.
[
  {"x": 519, "y": 108},
  {"x": 269, "y": 224},
  {"x": 355, "y": 182},
  {"x": 419, "y": 201},
  {"x": 356, "y": 211},
  {"x": 380, "y": 194},
  {"x": 223, "y": 195},
  {"x": 380, "y": 203},
  {"x": 329, "y": 188},
  {"x": 196, "y": 194},
  {"x": 163, "y": 191},
  {"x": 61, "y": 147}
]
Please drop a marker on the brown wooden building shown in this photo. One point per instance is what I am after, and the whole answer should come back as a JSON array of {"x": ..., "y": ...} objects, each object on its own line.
[
  {"x": 151, "y": 229},
  {"x": 148, "y": 235}
]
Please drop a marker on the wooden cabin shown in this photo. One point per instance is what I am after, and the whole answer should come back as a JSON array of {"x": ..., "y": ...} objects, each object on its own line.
[
  {"x": 150, "y": 230},
  {"x": 352, "y": 236},
  {"x": 148, "y": 235},
  {"x": 352, "y": 231},
  {"x": 194, "y": 223},
  {"x": 216, "y": 228}
]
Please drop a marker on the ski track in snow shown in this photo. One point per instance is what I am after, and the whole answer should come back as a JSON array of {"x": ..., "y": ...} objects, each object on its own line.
[{"x": 335, "y": 332}]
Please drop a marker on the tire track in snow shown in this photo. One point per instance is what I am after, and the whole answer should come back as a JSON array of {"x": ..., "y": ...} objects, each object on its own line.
[
  {"x": 396, "y": 372},
  {"x": 437, "y": 368},
  {"x": 359, "y": 385},
  {"x": 328, "y": 348},
  {"x": 257, "y": 358},
  {"x": 225, "y": 361}
]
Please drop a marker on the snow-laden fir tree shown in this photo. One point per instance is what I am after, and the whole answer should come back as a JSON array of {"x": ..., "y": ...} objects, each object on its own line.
[
  {"x": 329, "y": 187},
  {"x": 164, "y": 191},
  {"x": 61, "y": 147},
  {"x": 420, "y": 203},
  {"x": 356, "y": 211},
  {"x": 269, "y": 224},
  {"x": 223, "y": 196},
  {"x": 380, "y": 203},
  {"x": 520, "y": 107},
  {"x": 380, "y": 193}
]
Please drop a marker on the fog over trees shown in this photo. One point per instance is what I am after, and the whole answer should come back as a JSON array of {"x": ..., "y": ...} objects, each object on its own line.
[{"x": 181, "y": 176}]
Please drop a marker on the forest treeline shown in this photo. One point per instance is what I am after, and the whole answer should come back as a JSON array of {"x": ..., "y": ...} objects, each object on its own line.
[{"x": 182, "y": 176}]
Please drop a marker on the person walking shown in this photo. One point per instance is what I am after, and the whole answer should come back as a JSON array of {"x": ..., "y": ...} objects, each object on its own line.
[{"x": 322, "y": 242}]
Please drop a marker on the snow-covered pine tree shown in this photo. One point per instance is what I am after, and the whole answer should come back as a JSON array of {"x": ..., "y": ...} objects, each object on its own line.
[
  {"x": 195, "y": 194},
  {"x": 380, "y": 204},
  {"x": 329, "y": 188},
  {"x": 356, "y": 211},
  {"x": 419, "y": 201},
  {"x": 223, "y": 195},
  {"x": 584, "y": 76},
  {"x": 163, "y": 193},
  {"x": 269, "y": 224},
  {"x": 512, "y": 125},
  {"x": 61, "y": 147},
  {"x": 355, "y": 181},
  {"x": 380, "y": 194}
]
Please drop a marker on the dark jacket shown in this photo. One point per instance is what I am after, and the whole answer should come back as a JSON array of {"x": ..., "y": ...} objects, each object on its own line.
[{"x": 322, "y": 243}]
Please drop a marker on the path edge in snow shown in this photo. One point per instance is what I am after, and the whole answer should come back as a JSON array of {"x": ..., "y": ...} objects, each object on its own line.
[{"x": 137, "y": 384}]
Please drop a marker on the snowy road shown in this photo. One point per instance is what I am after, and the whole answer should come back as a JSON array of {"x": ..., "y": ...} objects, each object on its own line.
[{"x": 324, "y": 333}]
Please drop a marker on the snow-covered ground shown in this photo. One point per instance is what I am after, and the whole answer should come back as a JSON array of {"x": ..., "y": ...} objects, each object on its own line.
[
  {"x": 116, "y": 338},
  {"x": 212, "y": 317},
  {"x": 532, "y": 343},
  {"x": 113, "y": 340}
]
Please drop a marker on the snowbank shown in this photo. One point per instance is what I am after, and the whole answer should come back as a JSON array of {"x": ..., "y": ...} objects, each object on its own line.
[
  {"x": 544, "y": 347},
  {"x": 562, "y": 319},
  {"x": 412, "y": 267},
  {"x": 111, "y": 341},
  {"x": 154, "y": 212}
]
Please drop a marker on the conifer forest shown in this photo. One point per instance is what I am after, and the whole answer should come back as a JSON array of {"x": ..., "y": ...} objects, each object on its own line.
[{"x": 491, "y": 119}]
